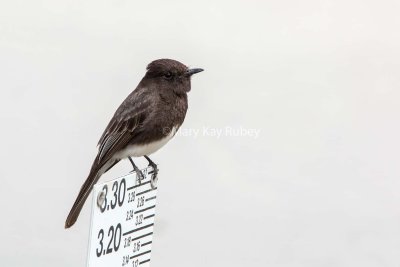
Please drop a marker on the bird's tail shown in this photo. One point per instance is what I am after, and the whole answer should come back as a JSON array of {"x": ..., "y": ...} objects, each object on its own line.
[{"x": 93, "y": 177}]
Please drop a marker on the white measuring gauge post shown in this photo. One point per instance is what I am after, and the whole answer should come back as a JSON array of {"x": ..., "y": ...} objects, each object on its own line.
[{"x": 123, "y": 212}]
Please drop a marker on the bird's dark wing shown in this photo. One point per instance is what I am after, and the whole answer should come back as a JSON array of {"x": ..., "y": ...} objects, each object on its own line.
[
  {"x": 119, "y": 132},
  {"x": 117, "y": 137},
  {"x": 126, "y": 120}
]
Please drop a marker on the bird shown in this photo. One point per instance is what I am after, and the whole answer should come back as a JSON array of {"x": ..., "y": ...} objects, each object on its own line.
[{"x": 144, "y": 122}]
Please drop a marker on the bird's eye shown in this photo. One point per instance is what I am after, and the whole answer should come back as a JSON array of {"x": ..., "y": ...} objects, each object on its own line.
[{"x": 168, "y": 75}]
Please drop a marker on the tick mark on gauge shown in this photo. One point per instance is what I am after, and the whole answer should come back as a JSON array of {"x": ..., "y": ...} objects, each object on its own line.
[
  {"x": 108, "y": 207},
  {"x": 104, "y": 252}
]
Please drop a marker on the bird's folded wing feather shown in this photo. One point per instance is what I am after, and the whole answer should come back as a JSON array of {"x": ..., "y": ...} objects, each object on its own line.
[{"x": 126, "y": 121}]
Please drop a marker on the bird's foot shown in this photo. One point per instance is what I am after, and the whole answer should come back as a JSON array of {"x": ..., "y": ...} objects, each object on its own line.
[
  {"x": 140, "y": 176},
  {"x": 154, "y": 178},
  {"x": 139, "y": 173},
  {"x": 154, "y": 174}
]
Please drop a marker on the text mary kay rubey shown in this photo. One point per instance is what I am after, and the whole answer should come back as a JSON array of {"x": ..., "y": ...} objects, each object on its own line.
[{"x": 207, "y": 131}]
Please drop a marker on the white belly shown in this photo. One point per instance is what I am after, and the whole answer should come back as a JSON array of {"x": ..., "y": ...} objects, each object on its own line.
[{"x": 147, "y": 149}]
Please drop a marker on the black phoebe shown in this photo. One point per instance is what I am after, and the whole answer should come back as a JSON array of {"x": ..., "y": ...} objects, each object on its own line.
[{"x": 146, "y": 120}]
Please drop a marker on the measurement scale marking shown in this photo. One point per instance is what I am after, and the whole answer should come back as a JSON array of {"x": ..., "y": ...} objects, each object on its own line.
[
  {"x": 139, "y": 237},
  {"x": 147, "y": 243},
  {"x": 138, "y": 185},
  {"x": 147, "y": 217},
  {"x": 146, "y": 191},
  {"x": 138, "y": 229},
  {"x": 144, "y": 261},
  {"x": 151, "y": 198},
  {"x": 141, "y": 254},
  {"x": 149, "y": 208}
]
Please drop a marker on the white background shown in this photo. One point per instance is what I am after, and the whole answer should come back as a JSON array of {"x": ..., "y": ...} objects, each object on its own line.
[{"x": 320, "y": 79}]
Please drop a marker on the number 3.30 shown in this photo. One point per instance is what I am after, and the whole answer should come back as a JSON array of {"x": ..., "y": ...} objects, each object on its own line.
[{"x": 118, "y": 195}]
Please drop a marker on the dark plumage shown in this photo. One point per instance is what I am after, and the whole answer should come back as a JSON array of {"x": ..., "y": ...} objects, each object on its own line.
[{"x": 142, "y": 123}]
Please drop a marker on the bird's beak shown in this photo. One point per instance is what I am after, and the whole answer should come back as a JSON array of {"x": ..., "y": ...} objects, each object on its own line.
[{"x": 190, "y": 72}]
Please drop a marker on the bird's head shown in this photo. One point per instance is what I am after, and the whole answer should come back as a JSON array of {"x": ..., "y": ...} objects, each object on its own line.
[{"x": 170, "y": 74}]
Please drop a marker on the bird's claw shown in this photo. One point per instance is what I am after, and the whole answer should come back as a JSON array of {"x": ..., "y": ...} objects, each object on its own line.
[
  {"x": 139, "y": 176},
  {"x": 154, "y": 176},
  {"x": 153, "y": 180}
]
